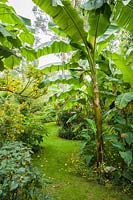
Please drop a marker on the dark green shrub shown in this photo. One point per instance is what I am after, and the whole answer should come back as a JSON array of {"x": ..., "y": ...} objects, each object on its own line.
[
  {"x": 18, "y": 179},
  {"x": 72, "y": 122}
]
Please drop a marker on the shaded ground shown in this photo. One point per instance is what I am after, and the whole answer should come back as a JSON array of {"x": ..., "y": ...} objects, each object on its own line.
[{"x": 53, "y": 161}]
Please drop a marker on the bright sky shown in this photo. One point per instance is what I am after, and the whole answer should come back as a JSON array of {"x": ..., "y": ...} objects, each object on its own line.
[{"x": 23, "y": 7}]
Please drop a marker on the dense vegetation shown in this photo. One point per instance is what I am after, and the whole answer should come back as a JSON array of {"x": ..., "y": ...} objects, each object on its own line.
[{"x": 89, "y": 93}]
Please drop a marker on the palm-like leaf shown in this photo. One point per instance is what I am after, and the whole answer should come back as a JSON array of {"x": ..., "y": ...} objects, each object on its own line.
[{"x": 123, "y": 15}]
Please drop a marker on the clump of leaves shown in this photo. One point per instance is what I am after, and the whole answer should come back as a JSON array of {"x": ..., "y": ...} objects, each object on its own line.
[
  {"x": 18, "y": 123},
  {"x": 71, "y": 122},
  {"x": 18, "y": 178}
]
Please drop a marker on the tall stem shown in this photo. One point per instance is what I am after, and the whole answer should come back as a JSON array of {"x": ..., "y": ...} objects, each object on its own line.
[
  {"x": 98, "y": 119},
  {"x": 97, "y": 107}
]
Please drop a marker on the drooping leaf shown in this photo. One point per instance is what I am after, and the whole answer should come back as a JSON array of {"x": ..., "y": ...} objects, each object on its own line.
[
  {"x": 106, "y": 37},
  {"x": 27, "y": 37},
  {"x": 109, "y": 101},
  {"x": 129, "y": 138},
  {"x": 118, "y": 145},
  {"x": 56, "y": 29},
  {"x": 92, "y": 124},
  {"x": 15, "y": 42},
  {"x": 26, "y": 21},
  {"x": 99, "y": 21},
  {"x": 123, "y": 15},
  {"x": 14, "y": 185},
  {"x": 12, "y": 61},
  {"x": 124, "y": 66},
  {"x": 127, "y": 157},
  {"x": 55, "y": 47},
  {"x": 53, "y": 68},
  {"x": 9, "y": 16},
  {"x": 66, "y": 17},
  {"x": 5, "y": 52},
  {"x": 28, "y": 53},
  {"x": 6, "y": 33},
  {"x": 123, "y": 99}
]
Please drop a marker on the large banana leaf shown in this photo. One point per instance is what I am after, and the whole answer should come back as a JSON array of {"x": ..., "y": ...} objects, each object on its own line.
[
  {"x": 66, "y": 17},
  {"x": 124, "y": 67},
  {"x": 54, "y": 68},
  {"x": 45, "y": 49},
  {"x": 63, "y": 79},
  {"x": 123, "y": 15},
  {"x": 55, "y": 47},
  {"x": 99, "y": 17}
]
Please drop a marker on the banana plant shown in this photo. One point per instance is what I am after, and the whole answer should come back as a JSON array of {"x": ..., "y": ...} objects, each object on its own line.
[{"x": 84, "y": 41}]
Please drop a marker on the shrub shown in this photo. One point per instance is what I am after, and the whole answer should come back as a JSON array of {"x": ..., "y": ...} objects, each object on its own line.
[
  {"x": 71, "y": 122},
  {"x": 18, "y": 123},
  {"x": 18, "y": 179}
]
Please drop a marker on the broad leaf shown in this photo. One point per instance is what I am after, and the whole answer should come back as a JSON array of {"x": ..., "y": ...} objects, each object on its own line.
[
  {"x": 66, "y": 17},
  {"x": 123, "y": 15},
  {"x": 127, "y": 157},
  {"x": 118, "y": 145},
  {"x": 53, "y": 68},
  {"x": 5, "y": 52},
  {"x": 14, "y": 185},
  {"x": 56, "y": 29},
  {"x": 12, "y": 61},
  {"x": 104, "y": 39},
  {"x": 27, "y": 37},
  {"x": 6, "y": 33},
  {"x": 91, "y": 124},
  {"x": 129, "y": 138},
  {"x": 26, "y": 21},
  {"x": 99, "y": 21},
  {"x": 124, "y": 66},
  {"x": 123, "y": 99},
  {"x": 55, "y": 47},
  {"x": 9, "y": 16}
]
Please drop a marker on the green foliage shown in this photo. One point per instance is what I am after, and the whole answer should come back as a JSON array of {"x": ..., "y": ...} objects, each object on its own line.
[
  {"x": 71, "y": 122},
  {"x": 18, "y": 123},
  {"x": 123, "y": 100},
  {"x": 13, "y": 35},
  {"x": 122, "y": 14},
  {"x": 18, "y": 178}
]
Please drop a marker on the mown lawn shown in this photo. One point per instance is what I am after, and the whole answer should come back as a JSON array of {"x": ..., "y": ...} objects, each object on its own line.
[{"x": 53, "y": 162}]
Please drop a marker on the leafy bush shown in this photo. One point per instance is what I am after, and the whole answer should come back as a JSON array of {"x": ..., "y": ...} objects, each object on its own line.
[
  {"x": 18, "y": 179},
  {"x": 33, "y": 133},
  {"x": 71, "y": 122},
  {"x": 18, "y": 123}
]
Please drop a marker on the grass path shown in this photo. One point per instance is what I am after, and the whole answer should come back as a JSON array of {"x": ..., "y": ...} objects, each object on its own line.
[{"x": 52, "y": 161}]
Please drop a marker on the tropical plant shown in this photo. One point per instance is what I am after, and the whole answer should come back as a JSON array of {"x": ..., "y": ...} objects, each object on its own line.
[{"x": 88, "y": 44}]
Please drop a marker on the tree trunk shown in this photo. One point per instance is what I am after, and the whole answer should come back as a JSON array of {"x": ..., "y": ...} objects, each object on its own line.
[
  {"x": 96, "y": 102},
  {"x": 98, "y": 120}
]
